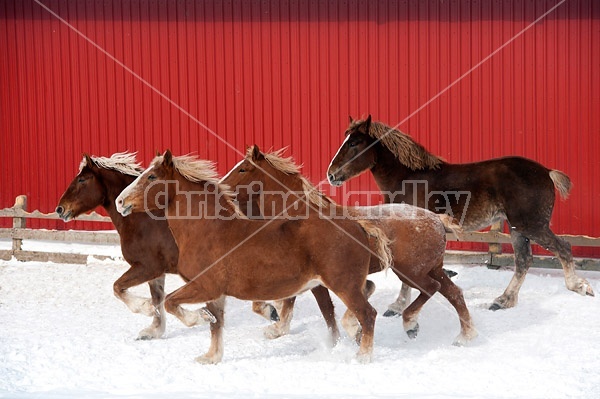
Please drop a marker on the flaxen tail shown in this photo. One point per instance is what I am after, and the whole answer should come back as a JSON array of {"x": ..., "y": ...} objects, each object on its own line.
[
  {"x": 561, "y": 182},
  {"x": 382, "y": 242},
  {"x": 451, "y": 225}
]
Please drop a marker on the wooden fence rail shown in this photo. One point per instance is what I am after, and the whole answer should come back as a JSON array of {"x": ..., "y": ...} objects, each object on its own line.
[{"x": 19, "y": 232}]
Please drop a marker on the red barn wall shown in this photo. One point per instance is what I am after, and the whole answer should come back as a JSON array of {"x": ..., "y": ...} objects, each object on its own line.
[{"x": 288, "y": 73}]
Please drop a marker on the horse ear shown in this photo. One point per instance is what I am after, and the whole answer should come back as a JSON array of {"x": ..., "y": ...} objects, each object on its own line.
[
  {"x": 256, "y": 154},
  {"x": 158, "y": 154},
  {"x": 168, "y": 158},
  {"x": 88, "y": 160},
  {"x": 368, "y": 124},
  {"x": 350, "y": 119}
]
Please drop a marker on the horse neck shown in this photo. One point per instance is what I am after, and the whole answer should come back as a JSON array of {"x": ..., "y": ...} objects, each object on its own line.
[
  {"x": 114, "y": 182},
  {"x": 293, "y": 192},
  {"x": 388, "y": 169}
]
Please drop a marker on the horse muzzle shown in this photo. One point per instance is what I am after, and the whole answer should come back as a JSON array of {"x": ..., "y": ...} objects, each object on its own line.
[
  {"x": 66, "y": 216},
  {"x": 336, "y": 182}
]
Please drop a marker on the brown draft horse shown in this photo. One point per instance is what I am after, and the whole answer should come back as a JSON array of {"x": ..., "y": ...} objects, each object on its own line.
[
  {"x": 478, "y": 194},
  {"x": 222, "y": 253},
  {"x": 146, "y": 242},
  {"x": 418, "y": 236}
]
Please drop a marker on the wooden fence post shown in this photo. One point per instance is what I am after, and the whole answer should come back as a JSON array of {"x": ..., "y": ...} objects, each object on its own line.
[{"x": 19, "y": 222}]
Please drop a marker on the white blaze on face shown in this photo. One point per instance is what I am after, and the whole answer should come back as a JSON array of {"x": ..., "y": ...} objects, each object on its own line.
[
  {"x": 334, "y": 157},
  {"x": 236, "y": 167},
  {"x": 121, "y": 201}
]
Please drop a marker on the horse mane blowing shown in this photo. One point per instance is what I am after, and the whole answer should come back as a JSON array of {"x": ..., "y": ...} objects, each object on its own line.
[
  {"x": 410, "y": 153},
  {"x": 124, "y": 162}
]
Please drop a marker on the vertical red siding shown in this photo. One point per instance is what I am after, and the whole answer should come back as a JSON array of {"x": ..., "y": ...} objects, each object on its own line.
[{"x": 288, "y": 74}]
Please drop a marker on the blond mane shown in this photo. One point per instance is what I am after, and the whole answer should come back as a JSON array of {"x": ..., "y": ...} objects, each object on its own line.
[
  {"x": 410, "y": 153},
  {"x": 200, "y": 170},
  {"x": 124, "y": 162},
  {"x": 289, "y": 167}
]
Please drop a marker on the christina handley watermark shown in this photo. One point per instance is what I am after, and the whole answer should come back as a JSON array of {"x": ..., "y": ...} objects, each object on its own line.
[{"x": 257, "y": 203}]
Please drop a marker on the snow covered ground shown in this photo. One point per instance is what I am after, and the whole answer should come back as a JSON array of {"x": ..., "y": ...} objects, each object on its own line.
[{"x": 64, "y": 334}]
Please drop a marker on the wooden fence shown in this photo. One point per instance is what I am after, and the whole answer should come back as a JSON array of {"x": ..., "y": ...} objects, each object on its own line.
[{"x": 494, "y": 258}]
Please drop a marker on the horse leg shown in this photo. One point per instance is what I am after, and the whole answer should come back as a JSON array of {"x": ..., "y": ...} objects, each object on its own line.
[
  {"x": 428, "y": 288},
  {"x": 157, "y": 328},
  {"x": 265, "y": 310},
  {"x": 455, "y": 296},
  {"x": 562, "y": 249},
  {"x": 350, "y": 322},
  {"x": 327, "y": 309},
  {"x": 396, "y": 308},
  {"x": 136, "y": 275},
  {"x": 523, "y": 259},
  {"x": 282, "y": 326},
  {"x": 190, "y": 293},
  {"x": 357, "y": 303}
]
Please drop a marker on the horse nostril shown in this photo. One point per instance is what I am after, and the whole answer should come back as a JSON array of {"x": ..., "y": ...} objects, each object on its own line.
[
  {"x": 60, "y": 210},
  {"x": 120, "y": 201},
  {"x": 331, "y": 177}
]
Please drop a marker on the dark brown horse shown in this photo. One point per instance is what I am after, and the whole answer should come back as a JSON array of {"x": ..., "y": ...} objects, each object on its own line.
[
  {"x": 146, "y": 242},
  {"x": 277, "y": 188},
  {"x": 222, "y": 253},
  {"x": 478, "y": 194}
]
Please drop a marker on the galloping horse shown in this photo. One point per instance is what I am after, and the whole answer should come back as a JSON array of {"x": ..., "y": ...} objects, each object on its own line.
[
  {"x": 418, "y": 236},
  {"x": 146, "y": 242},
  {"x": 514, "y": 189},
  {"x": 222, "y": 253}
]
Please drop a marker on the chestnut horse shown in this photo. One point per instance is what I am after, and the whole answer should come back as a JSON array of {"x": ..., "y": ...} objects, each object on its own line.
[
  {"x": 146, "y": 242},
  {"x": 478, "y": 194},
  {"x": 222, "y": 253},
  {"x": 418, "y": 236}
]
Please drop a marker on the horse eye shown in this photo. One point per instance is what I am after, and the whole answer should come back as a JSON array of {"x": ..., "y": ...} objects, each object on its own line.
[
  {"x": 80, "y": 180},
  {"x": 152, "y": 177},
  {"x": 242, "y": 170},
  {"x": 352, "y": 144}
]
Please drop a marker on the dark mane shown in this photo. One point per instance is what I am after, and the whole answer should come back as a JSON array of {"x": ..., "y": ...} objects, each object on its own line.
[{"x": 410, "y": 153}]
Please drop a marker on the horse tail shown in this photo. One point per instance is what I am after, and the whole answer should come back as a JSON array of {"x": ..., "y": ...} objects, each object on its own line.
[
  {"x": 561, "y": 182},
  {"x": 451, "y": 225},
  {"x": 382, "y": 243}
]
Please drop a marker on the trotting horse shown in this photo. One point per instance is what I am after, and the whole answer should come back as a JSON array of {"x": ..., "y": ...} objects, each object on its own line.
[
  {"x": 146, "y": 241},
  {"x": 223, "y": 253},
  {"x": 514, "y": 189},
  {"x": 418, "y": 236}
]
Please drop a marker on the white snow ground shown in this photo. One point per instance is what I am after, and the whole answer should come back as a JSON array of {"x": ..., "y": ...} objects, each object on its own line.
[{"x": 64, "y": 334}]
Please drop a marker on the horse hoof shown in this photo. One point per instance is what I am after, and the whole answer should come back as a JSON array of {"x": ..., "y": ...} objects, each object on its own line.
[
  {"x": 206, "y": 360},
  {"x": 391, "y": 313},
  {"x": 272, "y": 332},
  {"x": 364, "y": 358},
  {"x": 206, "y": 315},
  {"x": 496, "y": 306},
  {"x": 450, "y": 273},
  {"x": 412, "y": 333},
  {"x": 589, "y": 291},
  {"x": 274, "y": 315}
]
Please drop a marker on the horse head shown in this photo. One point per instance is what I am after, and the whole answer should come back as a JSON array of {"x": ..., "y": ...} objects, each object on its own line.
[
  {"x": 85, "y": 192},
  {"x": 356, "y": 154},
  {"x": 151, "y": 190}
]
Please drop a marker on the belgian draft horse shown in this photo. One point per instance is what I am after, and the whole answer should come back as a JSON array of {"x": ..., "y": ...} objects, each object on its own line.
[
  {"x": 514, "y": 189},
  {"x": 222, "y": 253},
  {"x": 146, "y": 242},
  {"x": 418, "y": 236}
]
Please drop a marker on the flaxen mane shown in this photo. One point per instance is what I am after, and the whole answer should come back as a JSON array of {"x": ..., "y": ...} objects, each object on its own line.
[
  {"x": 410, "y": 153},
  {"x": 289, "y": 167},
  {"x": 317, "y": 198},
  {"x": 123, "y": 162},
  {"x": 200, "y": 170}
]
